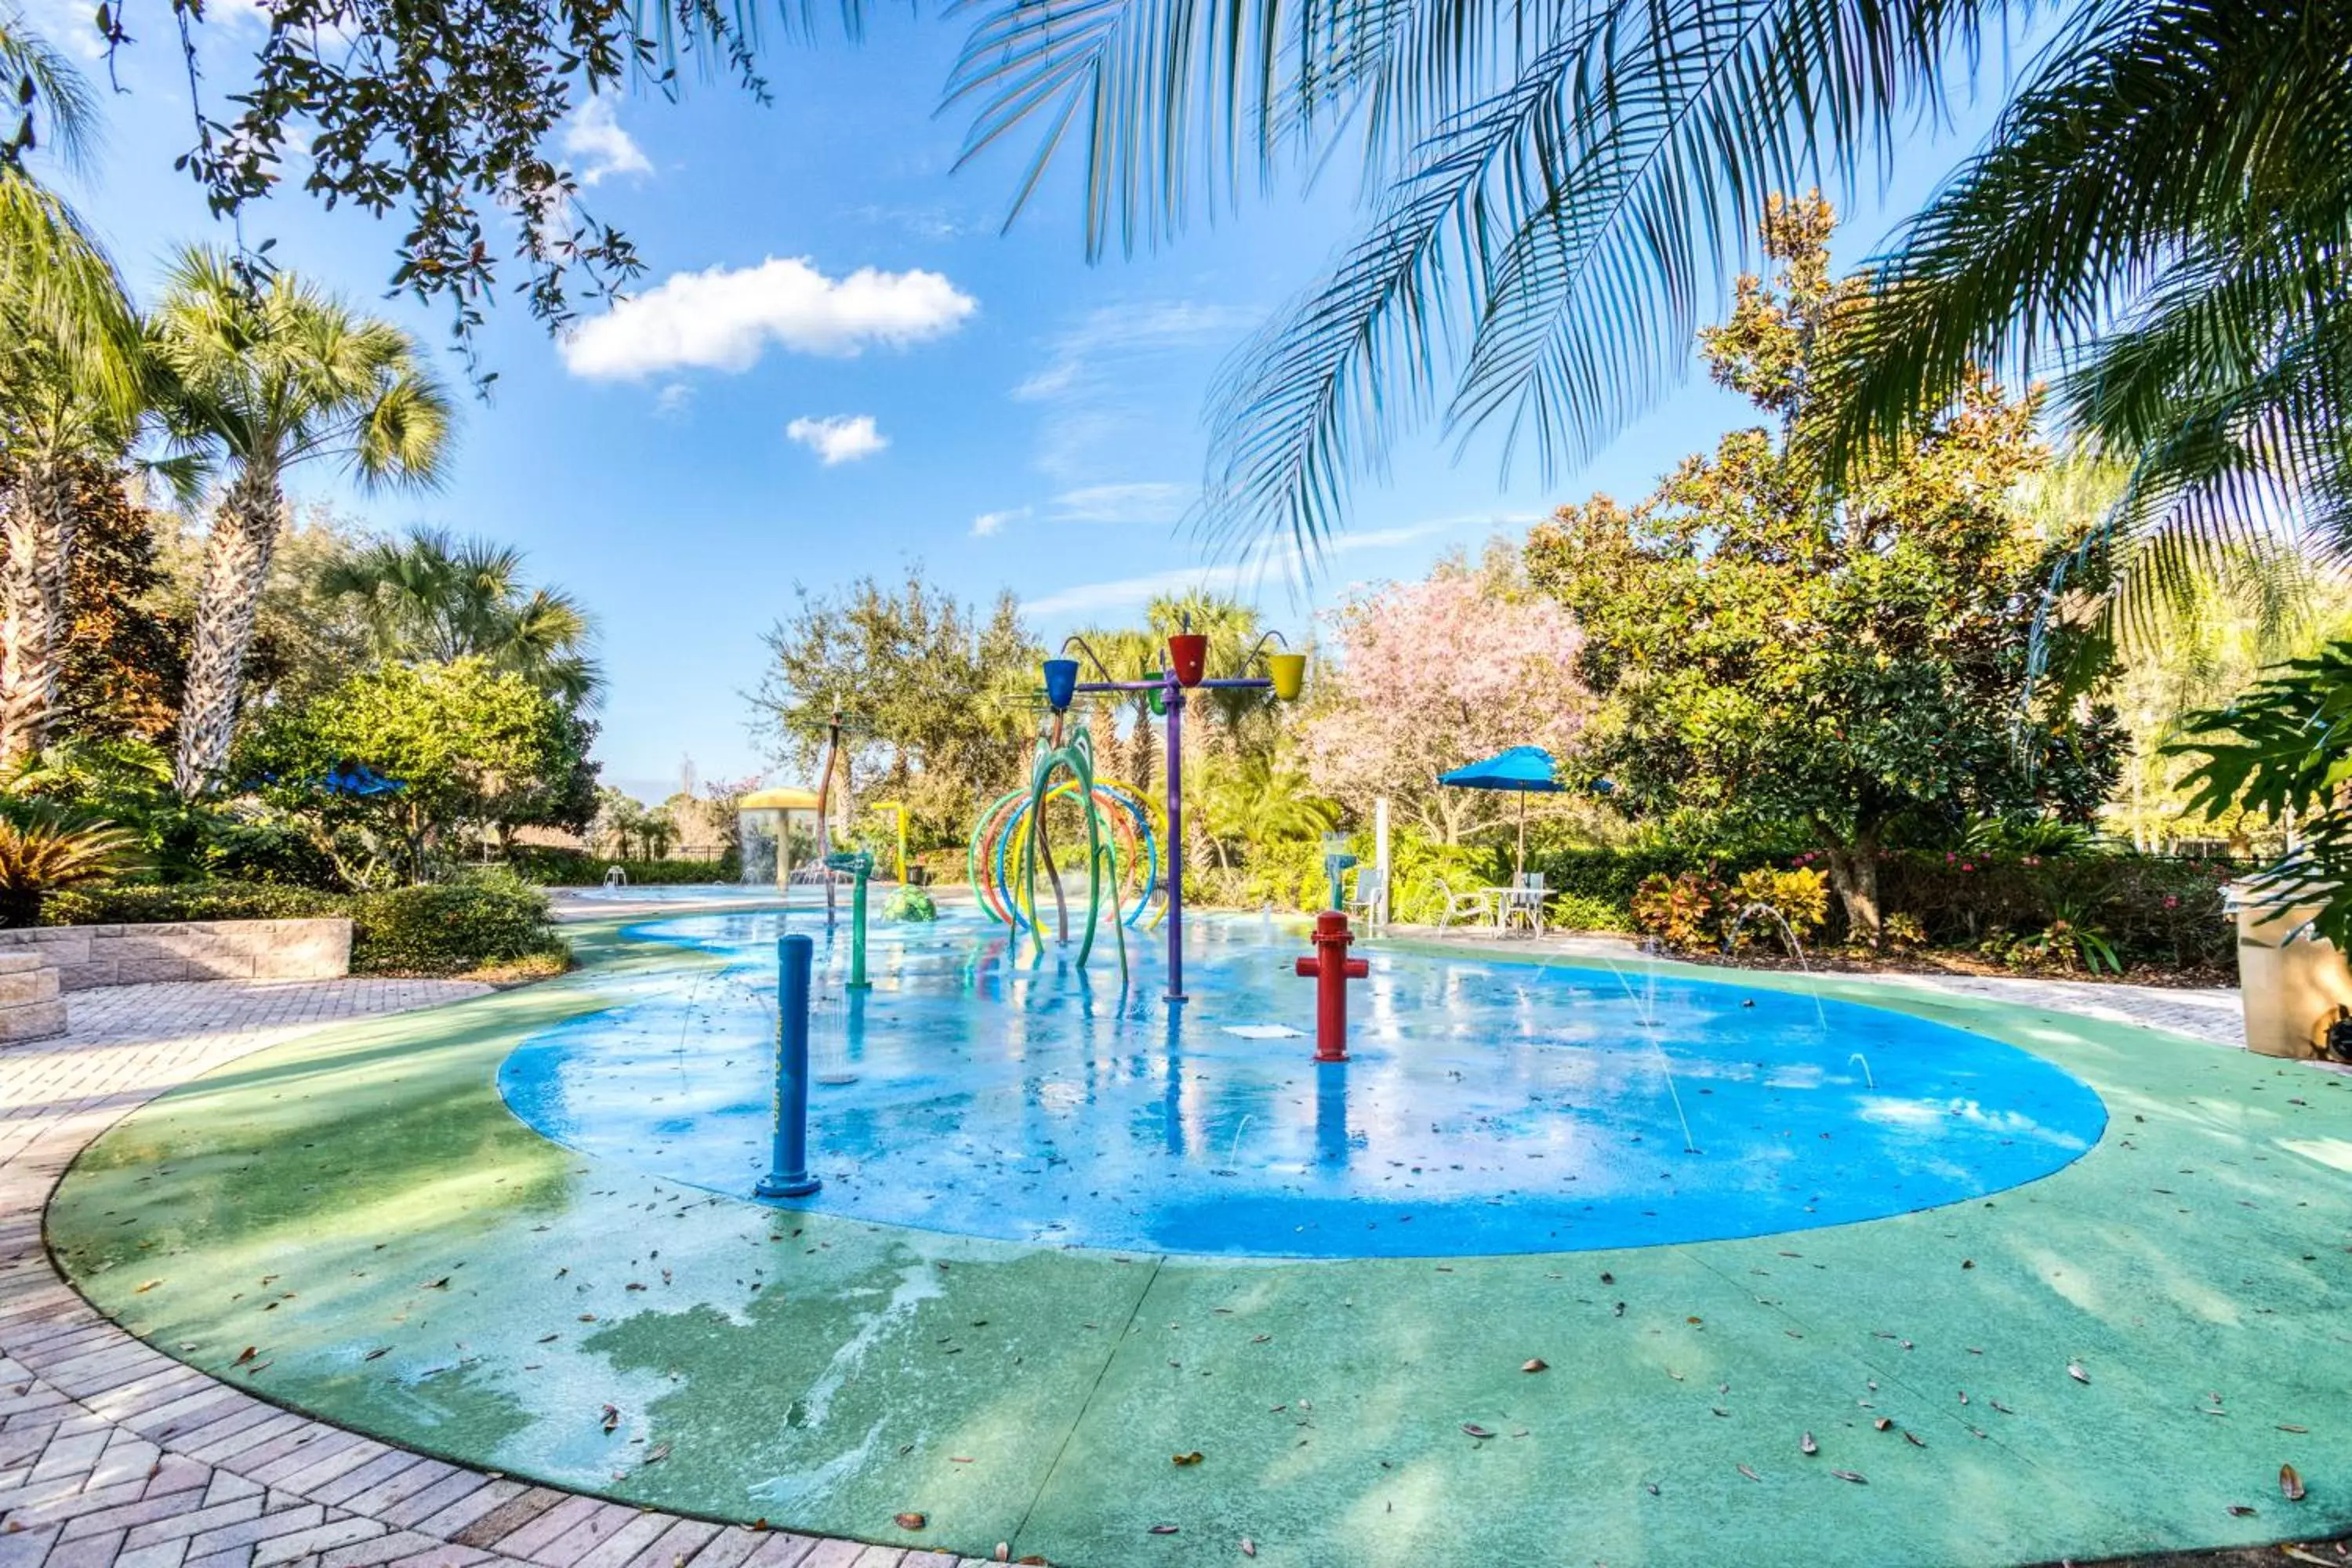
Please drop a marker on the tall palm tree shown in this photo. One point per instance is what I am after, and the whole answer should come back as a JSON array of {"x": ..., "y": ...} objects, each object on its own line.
[
  {"x": 71, "y": 385},
  {"x": 432, "y": 596},
  {"x": 267, "y": 373},
  {"x": 2161, "y": 214}
]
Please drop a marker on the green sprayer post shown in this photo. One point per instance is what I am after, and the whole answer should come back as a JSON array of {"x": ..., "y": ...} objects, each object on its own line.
[{"x": 860, "y": 866}]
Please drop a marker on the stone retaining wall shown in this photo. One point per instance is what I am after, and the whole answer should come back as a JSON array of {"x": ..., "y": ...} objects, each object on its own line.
[
  {"x": 84, "y": 956},
  {"x": 30, "y": 1007}
]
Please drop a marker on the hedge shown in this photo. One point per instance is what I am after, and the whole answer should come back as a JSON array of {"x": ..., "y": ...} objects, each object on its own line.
[
  {"x": 557, "y": 867},
  {"x": 155, "y": 904},
  {"x": 2153, "y": 909},
  {"x": 445, "y": 928}
]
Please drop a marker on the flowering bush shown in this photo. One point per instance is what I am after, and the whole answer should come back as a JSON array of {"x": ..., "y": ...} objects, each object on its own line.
[{"x": 1680, "y": 910}]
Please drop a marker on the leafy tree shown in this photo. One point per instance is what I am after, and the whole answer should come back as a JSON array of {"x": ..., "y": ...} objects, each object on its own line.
[
  {"x": 941, "y": 704},
  {"x": 431, "y": 596},
  {"x": 1844, "y": 664},
  {"x": 305, "y": 640},
  {"x": 71, "y": 385},
  {"x": 267, "y": 373},
  {"x": 470, "y": 747},
  {"x": 122, "y": 656},
  {"x": 1248, "y": 802},
  {"x": 1435, "y": 674}
]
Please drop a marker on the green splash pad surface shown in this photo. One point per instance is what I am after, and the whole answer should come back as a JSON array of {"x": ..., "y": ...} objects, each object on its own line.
[{"x": 407, "y": 1259}]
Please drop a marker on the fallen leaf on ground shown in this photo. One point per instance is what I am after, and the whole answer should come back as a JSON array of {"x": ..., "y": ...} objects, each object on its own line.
[
  {"x": 1536, "y": 1364},
  {"x": 1748, "y": 1473},
  {"x": 2074, "y": 1369},
  {"x": 1475, "y": 1430},
  {"x": 1191, "y": 1459},
  {"x": 2289, "y": 1426},
  {"x": 1914, "y": 1438},
  {"x": 660, "y": 1452},
  {"x": 1003, "y": 1549},
  {"x": 380, "y": 1349},
  {"x": 611, "y": 1418},
  {"x": 1853, "y": 1476},
  {"x": 243, "y": 1356},
  {"x": 1883, "y": 1423},
  {"x": 2240, "y": 1510},
  {"x": 1806, "y": 1444},
  {"x": 910, "y": 1520},
  {"x": 144, "y": 1288},
  {"x": 1249, "y": 1547},
  {"x": 2290, "y": 1484},
  {"x": 1162, "y": 1530}
]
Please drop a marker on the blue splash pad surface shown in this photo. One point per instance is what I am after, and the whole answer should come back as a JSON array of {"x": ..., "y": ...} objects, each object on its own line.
[{"x": 1491, "y": 1107}]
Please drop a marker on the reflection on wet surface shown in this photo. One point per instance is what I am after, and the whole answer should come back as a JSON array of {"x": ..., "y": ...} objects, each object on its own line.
[{"x": 1492, "y": 1106}]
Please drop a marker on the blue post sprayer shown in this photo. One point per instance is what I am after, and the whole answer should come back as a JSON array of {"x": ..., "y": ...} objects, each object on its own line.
[{"x": 788, "y": 1174}]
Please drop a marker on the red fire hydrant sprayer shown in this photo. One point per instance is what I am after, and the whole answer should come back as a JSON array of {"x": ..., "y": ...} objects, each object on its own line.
[{"x": 1332, "y": 969}]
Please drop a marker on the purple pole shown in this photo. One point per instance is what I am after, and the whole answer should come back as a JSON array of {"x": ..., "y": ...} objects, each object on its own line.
[{"x": 1175, "y": 701}]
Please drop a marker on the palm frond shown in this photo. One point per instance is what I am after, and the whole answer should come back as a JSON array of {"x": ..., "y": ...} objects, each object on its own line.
[
  {"x": 62, "y": 110},
  {"x": 2148, "y": 128},
  {"x": 1563, "y": 233}
]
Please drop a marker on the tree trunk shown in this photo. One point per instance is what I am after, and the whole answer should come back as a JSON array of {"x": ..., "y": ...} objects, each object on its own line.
[
  {"x": 236, "y": 565},
  {"x": 39, "y": 527},
  {"x": 1854, "y": 877}
]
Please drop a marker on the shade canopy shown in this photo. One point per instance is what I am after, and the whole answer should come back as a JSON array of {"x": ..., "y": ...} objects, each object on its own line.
[
  {"x": 1523, "y": 768},
  {"x": 782, "y": 799}
]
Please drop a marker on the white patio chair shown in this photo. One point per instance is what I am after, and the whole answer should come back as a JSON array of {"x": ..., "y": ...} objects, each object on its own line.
[
  {"x": 1527, "y": 900},
  {"x": 1369, "y": 897},
  {"x": 1477, "y": 903}
]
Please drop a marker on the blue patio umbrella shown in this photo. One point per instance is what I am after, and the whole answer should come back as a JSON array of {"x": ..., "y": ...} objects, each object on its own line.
[{"x": 1528, "y": 770}]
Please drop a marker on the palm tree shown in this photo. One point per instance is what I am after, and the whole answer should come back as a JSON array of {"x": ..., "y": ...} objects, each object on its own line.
[
  {"x": 431, "y": 596},
  {"x": 70, "y": 382},
  {"x": 2162, "y": 214},
  {"x": 267, "y": 372}
]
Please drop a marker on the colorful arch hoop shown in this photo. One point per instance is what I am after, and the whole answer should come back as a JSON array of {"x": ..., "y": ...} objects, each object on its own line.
[{"x": 989, "y": 860}]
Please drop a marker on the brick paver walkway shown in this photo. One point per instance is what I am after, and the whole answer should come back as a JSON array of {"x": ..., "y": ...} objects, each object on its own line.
[{"x": 112, "y": 1452}]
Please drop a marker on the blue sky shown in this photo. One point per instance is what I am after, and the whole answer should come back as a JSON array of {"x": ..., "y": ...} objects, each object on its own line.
[{"x": 837, "y": 363}]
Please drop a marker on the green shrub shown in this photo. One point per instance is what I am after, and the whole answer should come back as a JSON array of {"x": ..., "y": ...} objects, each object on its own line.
[
  {"x": 121, "y": 903},
  {"x": 1581, "y": 912},
  {"x": 447, "y": 928},
  {"x": 268, "y": 852}
]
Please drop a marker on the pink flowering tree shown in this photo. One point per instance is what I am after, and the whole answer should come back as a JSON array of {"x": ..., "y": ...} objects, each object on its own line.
[{"x": 1434, "y": 674}]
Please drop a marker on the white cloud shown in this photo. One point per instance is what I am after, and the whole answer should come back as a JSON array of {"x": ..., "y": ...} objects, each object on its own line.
[
  {"x": 1089, "y": 391},
  {"x": 989, "y": 524},
  {"x": 604, "y": 149},
  {"x": 724, "y": 319},
  {"x": 1129, "y": 503},
  {"x": 673, "y": 401},
  {"x": 1259, "y": 569},
  {"x": 840, "y": 438},
  {"x": 1127, "y": 593},
  {"x": 1118, "y": 331}
]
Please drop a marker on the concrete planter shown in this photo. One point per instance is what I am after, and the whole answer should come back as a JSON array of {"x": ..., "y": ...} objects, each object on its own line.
[
  {"x": 83, "y": 957},
  {"x": 2290, "y": 987}
]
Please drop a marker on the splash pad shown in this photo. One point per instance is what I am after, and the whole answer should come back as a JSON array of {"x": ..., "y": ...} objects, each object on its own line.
[{"x": 1490, "y": 1107}]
